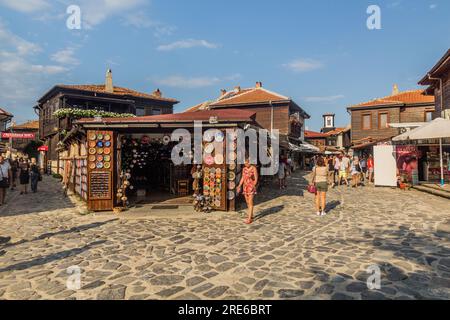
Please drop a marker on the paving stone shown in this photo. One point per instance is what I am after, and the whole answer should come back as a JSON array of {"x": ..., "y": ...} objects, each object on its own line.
[
  {"x": 166, "y": 280},
  {"x": 166, "y": 293},
  {"x": 216, "y": 292},
  {"x": 289, "y": 293},
  {"x": 356, "y": 287},
  {"x": 194, "y": 281},
  {"x": 113, "y": 292}
]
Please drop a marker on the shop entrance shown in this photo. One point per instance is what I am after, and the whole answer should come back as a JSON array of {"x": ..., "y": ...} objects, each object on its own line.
[{"x": 145, "y": 160}]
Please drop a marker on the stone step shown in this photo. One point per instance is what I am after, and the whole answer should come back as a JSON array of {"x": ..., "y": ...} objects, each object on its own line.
[{"x": 433, "y": 191}]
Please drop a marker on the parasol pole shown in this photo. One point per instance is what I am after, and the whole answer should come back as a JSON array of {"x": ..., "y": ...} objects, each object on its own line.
[{"x": 442, "y": 163}]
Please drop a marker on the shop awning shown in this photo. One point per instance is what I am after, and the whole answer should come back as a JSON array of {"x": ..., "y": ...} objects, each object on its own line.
[{"x": 436, "y": 129}]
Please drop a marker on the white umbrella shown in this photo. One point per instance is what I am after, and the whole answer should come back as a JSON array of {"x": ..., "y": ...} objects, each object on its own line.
[{"x": 436, "y": 129}]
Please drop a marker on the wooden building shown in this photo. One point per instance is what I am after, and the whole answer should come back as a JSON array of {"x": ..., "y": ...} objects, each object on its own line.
[
  {"x": 28, "y": 132},
  {"x": 104, "y": 97},
  {"x": 5, "y": 119},
  {"x": 272, "y": 110},
  {"x": 371, "y": 121},
  {"x": 112, "y": 161},
  {"x": 438, "y": 82}
]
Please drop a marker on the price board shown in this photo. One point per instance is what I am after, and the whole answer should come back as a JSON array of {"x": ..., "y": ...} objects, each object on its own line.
[{"x": 100, "y": 160}]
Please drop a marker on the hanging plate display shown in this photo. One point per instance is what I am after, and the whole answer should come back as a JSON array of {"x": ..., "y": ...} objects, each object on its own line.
[
  {"x": 232, "y": 156},
  {"x": 208, "y": 136},
  {"x": 209, "y": 148},
  {"x": 92, "y": 165},
  {"x": 206, "y": 187},
  {"x": 217, "y": 203},
  {"x": 107, "y": 165},
  {"x": 107, "y": 137},
  {"x": 218, "y": 159},
  {"x": 92, "y": 144},
  {"x": 219, "y": 136},
  {"x": 92, "y": 137},
  {"x": 100, "y": 137},
  {"x": 218, "y": 171},
  {"x": 107, "y": 151},
  {"x": 100, "y": 150},
  {"x": 100, "y": 144},
  {"x": 99, "y": 165},
  {"x": 209, "y": 160},
  {"x": 91, "y": 158},
  {"x": 231, "y": 176},
  {"x": 107, "y": 158},
  {"x": 207, "y": 170},
  {"x": 232, "y": 146},
  {"x": 232, "y": 166},
  {"x": 212, "y": 170},
  {"x": 92, "y": 151},
  {"x": 231, "y": 185},
  {"x": 107, "y": 144},
  {"x": 231, "y": 195},
  {"x": 99, "y": 158}
]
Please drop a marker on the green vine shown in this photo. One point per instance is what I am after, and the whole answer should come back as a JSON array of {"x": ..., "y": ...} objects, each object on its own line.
[{"x": 80, "y": 113}]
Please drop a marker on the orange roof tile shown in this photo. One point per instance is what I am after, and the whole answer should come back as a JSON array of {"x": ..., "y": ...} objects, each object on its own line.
[
  {"x": 313, "y": 134},
  {"x": 248, "y": 96},
  {"x": 405, "y": 97},
  {"x": 100, "y": 88},
  {"x": 33, "y": 124}
]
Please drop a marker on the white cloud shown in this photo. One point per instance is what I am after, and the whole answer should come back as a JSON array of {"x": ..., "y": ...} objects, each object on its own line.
[
  {"x": 303, "y": 65},
  {"x": 16, "y": 43},
  {"x": 26, "y": 6},
  {"x": 142, "y": 21},
  {"x": 20, "y": 77},
  {"x": 66, "y": 57},
  {"x": 433, "y": 6},
  {"x": 94, "y": 12},
  {"x": 325, "y": 99},
  {"x": 186, "y": 44}
]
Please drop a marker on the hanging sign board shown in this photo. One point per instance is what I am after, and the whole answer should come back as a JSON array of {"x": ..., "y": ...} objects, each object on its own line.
[{"x": 23, "y": 135}]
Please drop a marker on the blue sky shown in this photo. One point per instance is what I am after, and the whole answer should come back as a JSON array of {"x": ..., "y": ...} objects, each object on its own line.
[{"x": 320, "y": 53}]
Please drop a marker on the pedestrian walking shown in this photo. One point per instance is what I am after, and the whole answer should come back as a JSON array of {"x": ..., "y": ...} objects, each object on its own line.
[
  {"x": 370, "y": 168},
  {"x": 5, "y": 178},
  {"x": 355, "y": 171},
  {"x": 363, "y": 164},
  {"x": 344, "y": 166},
  {"x": 24, "y": 176},
  {"x": 337, "y": 165},
  {"x": 330, "y": 164},
  {"x": 14, "y": 171},
  {"x": 320, "y": 180},
  {"x": 282, "y": 168},
  {"x": 248, "y": 184},
  {"x": 35, "y": 175}
]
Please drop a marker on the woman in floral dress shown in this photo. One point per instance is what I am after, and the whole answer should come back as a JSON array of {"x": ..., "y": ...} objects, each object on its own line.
[{"x": 248, "y": 181}]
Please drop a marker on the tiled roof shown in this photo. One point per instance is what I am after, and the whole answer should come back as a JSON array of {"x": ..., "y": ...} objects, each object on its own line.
[
  {"x": 5, "y": 113},
  {"x": 402, "y": 98},
  {"x": 33, "y": 124},
  {"x": 100, "y": 88},
  {"x": 199, "y": 107},
  {"x": 440, "y": 67},
  {"x": 223, "y": 115},
  {"x": 248, "y": 96},
  {"x": 313, "y": 134}
]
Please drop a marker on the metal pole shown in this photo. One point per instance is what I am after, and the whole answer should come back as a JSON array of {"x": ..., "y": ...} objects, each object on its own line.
[{"x": 442, "y": 163}]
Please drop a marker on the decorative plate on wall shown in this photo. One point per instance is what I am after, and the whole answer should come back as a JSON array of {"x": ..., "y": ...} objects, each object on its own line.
[
  {"x": 92, "y": 151},
  {"x": 219, "y": 136},
  {"x": 92, "y": 137},
  {"x": 92, "y": 144},
  {"x": 107, "y": 165},
  {"x": 209, "y": 148},
  {"x": 107, "y": 137},
  {"x": 100, "y": 150},
  {"x": 92, "y": 158},
  {"x": 231, "y": 176},
  {"x": 231, "y": 195},
  {"x": 107, "y": 151},
  {"x": 218, "y": 159}
]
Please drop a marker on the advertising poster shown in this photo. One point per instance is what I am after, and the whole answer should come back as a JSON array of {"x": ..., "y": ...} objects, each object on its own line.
[{"x": 408, "y": 163}]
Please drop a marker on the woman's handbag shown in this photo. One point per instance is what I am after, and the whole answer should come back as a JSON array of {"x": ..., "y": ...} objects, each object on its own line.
[{"x": 312, "y": 189}]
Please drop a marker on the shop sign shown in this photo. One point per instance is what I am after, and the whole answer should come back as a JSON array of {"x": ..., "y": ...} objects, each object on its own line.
[
  {"x": 43, "y": 148},
  {"x": 12, "y": 135}
]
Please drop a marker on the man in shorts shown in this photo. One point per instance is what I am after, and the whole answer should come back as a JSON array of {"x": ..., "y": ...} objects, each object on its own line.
[{"x": 343, "y": 169}]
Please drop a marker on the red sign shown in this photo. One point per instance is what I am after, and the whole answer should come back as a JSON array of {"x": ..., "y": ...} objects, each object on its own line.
[
  {"x": 12, "y": 135},
  {"x": 43, "y": 148}
]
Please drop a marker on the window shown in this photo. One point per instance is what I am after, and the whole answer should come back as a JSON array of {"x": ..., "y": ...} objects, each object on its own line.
[
  {"x": 366, "y": 121},
  {"x": 140, "y": 112},
  {"x": 383, "y": 120},
  {"x": 428, "y": 116},
  {"x": 156, "y": 112}
]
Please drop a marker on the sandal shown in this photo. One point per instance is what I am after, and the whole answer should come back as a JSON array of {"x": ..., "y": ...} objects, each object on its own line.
[{"x": 248, "y": 221}]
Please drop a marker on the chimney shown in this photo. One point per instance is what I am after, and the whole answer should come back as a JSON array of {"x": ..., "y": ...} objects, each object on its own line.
[
  {"x": 237, "y": 89},
  {"x": 157, "y": 93},
  {"x": 258, "y": 84},
  {"x": 395, "y": 90},
  {"x": 109, "y": 82},
  {"x": 223, "y": 92}
]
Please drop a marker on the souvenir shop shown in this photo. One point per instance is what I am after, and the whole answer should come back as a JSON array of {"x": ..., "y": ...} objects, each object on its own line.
[{"x": 129, "y": 164}]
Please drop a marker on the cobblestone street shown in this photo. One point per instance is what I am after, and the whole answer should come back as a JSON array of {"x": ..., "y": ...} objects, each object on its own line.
[{"x": 288, "y": 253}]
